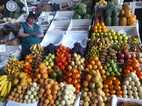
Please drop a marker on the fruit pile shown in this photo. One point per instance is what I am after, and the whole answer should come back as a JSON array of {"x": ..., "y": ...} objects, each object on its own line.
[
  {"x": 36, "y": 49},
  {"x": 73, "y": 77},
  {"x": 112, "y": 68},
  {"x": 132, "y": 65},
  {"x": 93, "y": 65},
  {"x": 31, "y": 95},
  {"x": 107, "y": 54},
  {"x": 56, "y": 74},
  {"x": 28, "y": 64},
  {"x": 49, "y": 61},
  {"x": 123, "y": 56},
  {"x": 66, "y": 96},
  {"x": 17, "y": 94},
  {"x": 41, "y": 73},
  {"x": 100, "y": 27},
  {"x": 103, "y": 40},
  {"x": 13, "y": 66},
  {"x": 48, "y": 93},
  {"x": 22, "y": 78},
  {"x": 63, "y": 57},
  {"x": 132, "y": 87},
  {"x": 92, "y": 89},
  {"x": 37, "y": 52},
  {"x": 112, "y": 86},
  {"x": 126, "y": 16},
  {"x": 76, "y": 62}
]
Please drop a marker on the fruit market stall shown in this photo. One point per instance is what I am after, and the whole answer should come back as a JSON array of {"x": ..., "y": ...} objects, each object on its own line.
[
  {"x": 70, "y": 65},
  {"x": 76, "y": 64}
]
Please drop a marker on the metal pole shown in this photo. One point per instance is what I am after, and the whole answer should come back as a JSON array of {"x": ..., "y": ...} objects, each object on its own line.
[{"x": 26, "y": 5}]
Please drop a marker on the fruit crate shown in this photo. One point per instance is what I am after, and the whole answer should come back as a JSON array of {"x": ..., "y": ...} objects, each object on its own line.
[
  {"x": 45, "y": 18},
  {"x": 12, "y": 103},
  {"x": 117, "y": 101},
  {"x": 64, "y": 15},
  {"x": 61, "y": 25},
  {"x": 128, "y": 30},
  {"x": 2, "y": 104},
  {"x": 79, "y": 25},
  {"x": 77, "y": 101},
  {"x": 71, "y": 37},
  {"x": 52, "y": 37}
]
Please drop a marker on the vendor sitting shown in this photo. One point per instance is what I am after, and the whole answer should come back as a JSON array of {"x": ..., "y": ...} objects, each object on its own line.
[{"x": 30, "y": 34}]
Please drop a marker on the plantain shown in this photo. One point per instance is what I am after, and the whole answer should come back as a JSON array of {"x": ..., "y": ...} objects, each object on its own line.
[{"x": 3, "y": 92}]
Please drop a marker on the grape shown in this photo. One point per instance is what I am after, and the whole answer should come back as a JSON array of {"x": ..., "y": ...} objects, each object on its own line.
[
  {"x": 78, "y": 49},
  {"x": 49, "y": 49}
]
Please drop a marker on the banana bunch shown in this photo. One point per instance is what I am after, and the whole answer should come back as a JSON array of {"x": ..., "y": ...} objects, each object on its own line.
[
  {"x": 13, "y": 66},
  {"x": 5, "y": 85},
  {"x": 37, "y": 49}
]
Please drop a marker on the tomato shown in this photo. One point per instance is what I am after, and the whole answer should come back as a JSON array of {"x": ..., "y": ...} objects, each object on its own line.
[
  {"x": 69, "y": 80},
  {"x": 69, "y": 74},
  {"x": 77, "y": 86},
  {"x": 116, "y": 82},
  {"x": 126, "y": 72},
  {"x": 74, "y": 81}
]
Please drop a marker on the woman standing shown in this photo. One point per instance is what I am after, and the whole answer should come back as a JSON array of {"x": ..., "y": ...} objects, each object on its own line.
[{"x": 30, "y": 34}]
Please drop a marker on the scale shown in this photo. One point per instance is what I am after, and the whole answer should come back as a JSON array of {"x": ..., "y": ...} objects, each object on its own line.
[{"x": 11, "y": 6}]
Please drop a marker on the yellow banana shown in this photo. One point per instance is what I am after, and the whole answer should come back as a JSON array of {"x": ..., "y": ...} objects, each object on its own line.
[
  {"x": 4, "y": 90},
  {"x": 9, "y": 87},
  {"x": 3, "y": 81},
  {"x": 1, "y": 86},
  {"x": 3, "y": 77}
]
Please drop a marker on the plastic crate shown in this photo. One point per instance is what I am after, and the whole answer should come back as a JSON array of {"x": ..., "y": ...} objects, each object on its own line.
[
  {"x": 116, "y": 100},
  {"x": 59, "y": 26},
  {"x": 52, "y": 38},
  {"x": 64, "y": 15},
  {"x": 72, "y": 37},
  {"x": 12, "y": 103},
  {"x": 79, "y": 25},
  {"x": 46, "y": 17}
]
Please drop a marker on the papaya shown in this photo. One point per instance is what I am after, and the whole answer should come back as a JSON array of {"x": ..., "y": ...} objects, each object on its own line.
[
  {"x": 122, "y": 13},
  {"x": 108, "y": 21},
  {"x": 123, "y": 21},
  {"x": 125, "y": 7},
  {"x": 128, "y": 13},
  {"x": 115, "y": 21},
  {"x": 131, "y": 20}
]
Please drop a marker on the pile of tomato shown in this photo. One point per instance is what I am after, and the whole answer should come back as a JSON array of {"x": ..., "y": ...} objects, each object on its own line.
[{"x": 63, "y": 57}]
